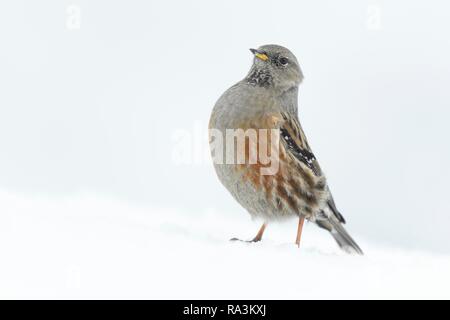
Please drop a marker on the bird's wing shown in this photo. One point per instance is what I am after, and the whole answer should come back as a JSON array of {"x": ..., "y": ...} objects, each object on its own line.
[
  {"x": 295, "y": 143},
  {"x": 333, "y": 208}
]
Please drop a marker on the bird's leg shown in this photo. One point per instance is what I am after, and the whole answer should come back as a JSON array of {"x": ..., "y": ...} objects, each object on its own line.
[
  {"x": 301, "y": 220},
  {"x": 258, "y": 236},
  {"x": 260, "y": 233}
]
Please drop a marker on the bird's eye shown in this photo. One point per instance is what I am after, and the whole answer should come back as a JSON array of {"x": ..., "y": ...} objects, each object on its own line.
[{"x": 284, "y": 61}]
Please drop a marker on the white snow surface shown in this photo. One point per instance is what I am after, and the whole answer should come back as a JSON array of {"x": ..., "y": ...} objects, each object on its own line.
[{"x": 89, "y": 247}]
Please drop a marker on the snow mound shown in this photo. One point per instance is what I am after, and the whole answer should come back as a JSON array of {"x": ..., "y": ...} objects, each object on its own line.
[{"x": 88, "y": 247}]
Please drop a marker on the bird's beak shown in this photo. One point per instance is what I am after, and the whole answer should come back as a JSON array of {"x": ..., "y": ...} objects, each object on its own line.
[{"x": 259, "y": 54}]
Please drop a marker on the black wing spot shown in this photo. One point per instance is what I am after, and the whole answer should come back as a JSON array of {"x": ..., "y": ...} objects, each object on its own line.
[
  {"x": 303, "y": 155},
  {"x": 335, "y": 211}
]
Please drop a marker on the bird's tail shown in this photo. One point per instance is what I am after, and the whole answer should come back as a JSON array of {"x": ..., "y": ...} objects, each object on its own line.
[{"x": 343, "y": 238}]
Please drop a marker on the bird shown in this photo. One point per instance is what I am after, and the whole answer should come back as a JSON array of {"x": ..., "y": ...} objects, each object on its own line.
[{"x": 266, "y": 101}]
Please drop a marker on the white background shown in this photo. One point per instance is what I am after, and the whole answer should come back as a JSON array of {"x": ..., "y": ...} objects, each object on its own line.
[{"x": 95, "y": 107}]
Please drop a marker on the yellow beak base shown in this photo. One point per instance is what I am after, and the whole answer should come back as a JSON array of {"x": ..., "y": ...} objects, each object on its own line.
[{"x": 262, "y": 56}]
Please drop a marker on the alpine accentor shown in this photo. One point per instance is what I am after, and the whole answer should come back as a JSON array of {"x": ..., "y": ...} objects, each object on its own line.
[{"x": 265, "y": 104}]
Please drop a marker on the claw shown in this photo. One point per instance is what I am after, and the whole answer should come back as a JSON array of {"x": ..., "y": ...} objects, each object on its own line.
[
  {"x": 257, "y": 238},
  {"x": 248, "y": 241}
]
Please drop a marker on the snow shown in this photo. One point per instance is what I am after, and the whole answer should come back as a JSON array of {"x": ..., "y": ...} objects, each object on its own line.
[{"x": 91, "y": 246}]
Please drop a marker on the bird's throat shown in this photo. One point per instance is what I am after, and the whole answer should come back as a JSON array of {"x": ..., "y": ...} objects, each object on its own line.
[{"x": 260, "y": 77}]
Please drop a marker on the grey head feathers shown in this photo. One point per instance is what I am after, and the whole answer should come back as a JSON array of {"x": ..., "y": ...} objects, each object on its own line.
[{"x": 274, "y": 67}]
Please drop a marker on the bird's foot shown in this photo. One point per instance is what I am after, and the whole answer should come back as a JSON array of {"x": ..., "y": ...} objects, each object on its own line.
[
  {"x": 257, "y": 238},
  {"x": 248, "y": 241}
]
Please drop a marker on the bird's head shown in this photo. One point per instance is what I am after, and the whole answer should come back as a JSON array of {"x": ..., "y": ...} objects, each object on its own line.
[{"x": 276, "y": 66}]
